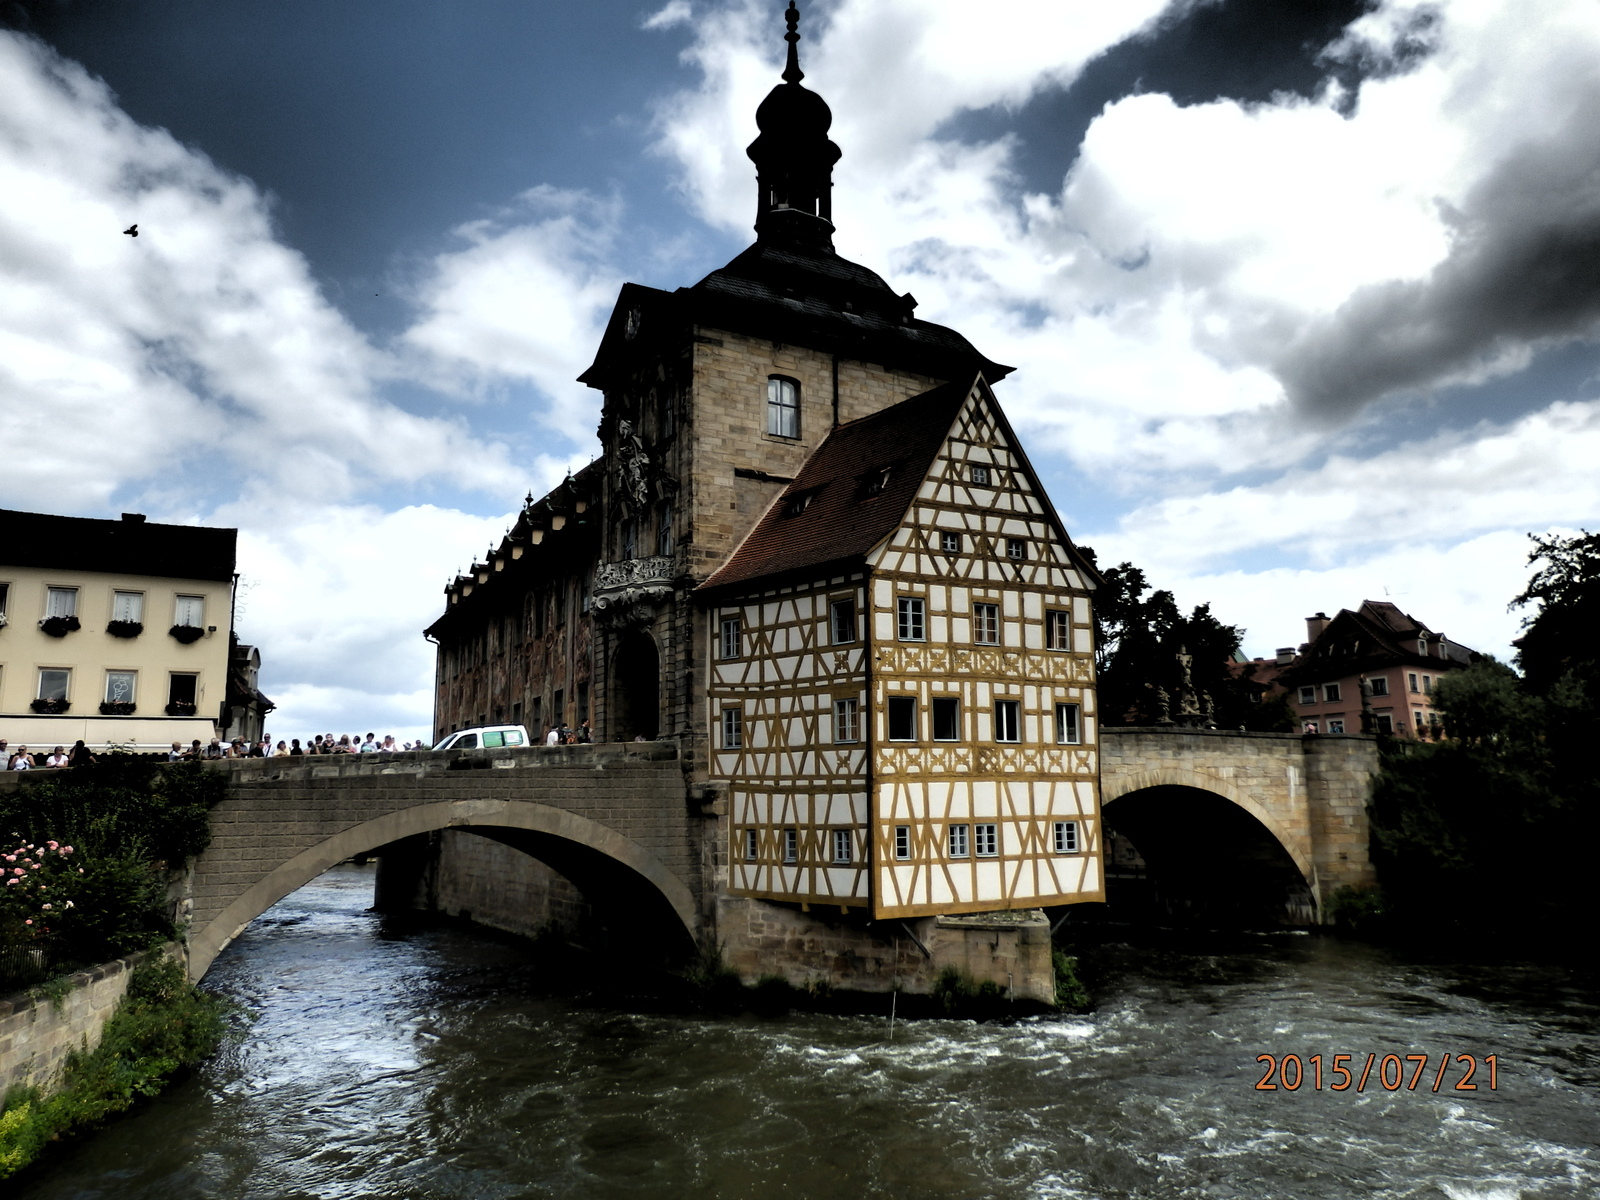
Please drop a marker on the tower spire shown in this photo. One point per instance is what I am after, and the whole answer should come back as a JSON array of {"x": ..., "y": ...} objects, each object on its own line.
[
  {"x": 792, "y": 72},
  {"x": 794, "y": 158}
]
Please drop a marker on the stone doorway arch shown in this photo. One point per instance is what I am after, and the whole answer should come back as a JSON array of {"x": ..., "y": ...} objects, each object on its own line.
[{"x": 635, "y": 687}]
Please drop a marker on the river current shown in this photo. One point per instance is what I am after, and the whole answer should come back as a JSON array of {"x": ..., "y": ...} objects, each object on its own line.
[{"x": 432, "y": 1062}]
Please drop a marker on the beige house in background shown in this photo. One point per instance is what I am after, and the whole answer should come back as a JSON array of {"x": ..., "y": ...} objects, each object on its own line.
[{"x": 115, "y": 632}]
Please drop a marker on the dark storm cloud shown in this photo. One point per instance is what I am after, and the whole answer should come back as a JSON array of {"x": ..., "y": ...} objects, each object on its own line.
[
  {"x": 1523, "y": 273},
  {"x": 1244, "y": 50}
]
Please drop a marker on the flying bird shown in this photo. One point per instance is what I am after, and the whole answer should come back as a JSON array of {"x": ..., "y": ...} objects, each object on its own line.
[{"x": 132, "y": 230}]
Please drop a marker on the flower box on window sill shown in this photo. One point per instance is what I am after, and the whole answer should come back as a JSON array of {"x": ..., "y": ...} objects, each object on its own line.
[
  {"x": 187, "y": 633},
  {"x": 125, "y": 629},
  {"x": 50, "y": 707},
  {"x": 116, "y": 708},
  {"x": 180, "y": 708},
  {"x": 59, "y": 626}
]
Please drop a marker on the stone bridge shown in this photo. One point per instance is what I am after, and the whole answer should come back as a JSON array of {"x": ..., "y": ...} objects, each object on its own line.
[
  {"x": 612, "y": 818},
  {"x": 1308, "y": 791},
  {"x": 618, "y": 821}
]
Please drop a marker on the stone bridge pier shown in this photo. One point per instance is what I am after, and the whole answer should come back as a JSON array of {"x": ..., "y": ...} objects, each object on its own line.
[{"x": 1307, "y": 791}]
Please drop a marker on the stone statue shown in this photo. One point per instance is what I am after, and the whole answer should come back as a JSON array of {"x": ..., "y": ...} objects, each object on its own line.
[{"x": 633, "y": 467}]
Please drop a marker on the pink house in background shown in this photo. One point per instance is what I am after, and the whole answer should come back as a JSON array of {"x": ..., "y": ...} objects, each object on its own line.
[{"x": 1396, "y": 656}]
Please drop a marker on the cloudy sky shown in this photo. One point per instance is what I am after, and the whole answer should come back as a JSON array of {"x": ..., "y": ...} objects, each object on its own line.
[{"x": 1304, "y": 298}]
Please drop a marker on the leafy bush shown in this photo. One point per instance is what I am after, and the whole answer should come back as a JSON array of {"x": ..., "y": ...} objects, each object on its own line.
[{"x": 163, "y": 1026}]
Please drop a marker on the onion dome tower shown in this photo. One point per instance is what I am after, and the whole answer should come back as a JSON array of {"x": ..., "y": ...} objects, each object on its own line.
[{"x": 794, "y": 158}]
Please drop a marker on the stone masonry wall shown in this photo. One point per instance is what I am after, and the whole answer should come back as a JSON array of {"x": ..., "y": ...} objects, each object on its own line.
[
  {"x": 495, "y": 885},
  {"x": 1339, "y": 773},
  {"x": 37, "y": 1034}
]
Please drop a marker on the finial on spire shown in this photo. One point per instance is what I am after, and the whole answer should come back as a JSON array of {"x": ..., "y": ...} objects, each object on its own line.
[{"x": 792, "y": 72}]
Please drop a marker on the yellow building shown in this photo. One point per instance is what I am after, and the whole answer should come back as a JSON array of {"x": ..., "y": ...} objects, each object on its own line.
[
  {"x": 902, "y": 676},
  {"x": 115, "y": 632}
]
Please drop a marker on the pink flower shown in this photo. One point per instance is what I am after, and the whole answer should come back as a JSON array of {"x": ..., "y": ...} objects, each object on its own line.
[
  {"x": 66, "y": 849},
  {"x": 17, "y": 871},
  {"x": 28, "y": 922},
  {"x": 9, "y": 882},
  {"x": 11, "y": 858},
  {"x": 52, "y": 843}
]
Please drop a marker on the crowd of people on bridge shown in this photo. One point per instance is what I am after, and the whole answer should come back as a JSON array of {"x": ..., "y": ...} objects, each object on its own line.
[
  {"x": 21, "y": 759},
  {"x": 323, "y": 743}
]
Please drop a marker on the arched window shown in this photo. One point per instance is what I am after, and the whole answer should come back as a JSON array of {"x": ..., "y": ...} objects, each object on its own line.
[{"x": 783, "y": 407}]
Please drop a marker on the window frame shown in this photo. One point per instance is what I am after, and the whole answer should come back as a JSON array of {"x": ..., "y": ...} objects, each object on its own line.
[
  {"x": 1383, "y": 722},
  {"x": 791, "y": 845},
  {"x": 980, "y": 474},
  {"x": 1076, "y": 709},
  {"x": 986, "y": 839},
  {"x": 1057, "y": 621},
  {"x": 177, "y": 610},
  {"x": 842, "y": 614},
  {"x": 664, "y": 546},
  {"x": 901, "y": 704},
  {"x": 752, "y": 844},
  {"x": 1413, "y": 683},
  {"x": 1014, "y": 723},
  {"x": 1332, "y": 721},
  {"x": 5, "y": 598},
  {"x": 846, "y": 721},
  {"x": 902, "y": 843},
  {"x": 843, "y": 848},
  {"x": 1379, "y": 685},
  {"x": 985, "y": 624},
  {"x": 194, "y": 675},
  {"x": 133, "y": 687},
  {"x": 117, "y": 596},
  {"x": 911, "y": 614},
  {"x": 51, "y": 591},
  {"x": 951, "y": 706},
  {"x": 1017, "y": 549},
  {"x": 1064, "y": 838},
  {"x": 958, "y": 840},
  {"x": 782, "y": 412},
  {"x": 732, "y": 727},
  {"x": 1331, "y": 693},
  {"x": 66, "y": 684},
  {"x": 949, "y": 542},
  {"x": 1308, "y": 694},
  {"x": 730, "y": 633}
]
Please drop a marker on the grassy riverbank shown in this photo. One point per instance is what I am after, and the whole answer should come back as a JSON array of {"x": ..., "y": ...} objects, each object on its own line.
[{"x": 163, "y": 1027}]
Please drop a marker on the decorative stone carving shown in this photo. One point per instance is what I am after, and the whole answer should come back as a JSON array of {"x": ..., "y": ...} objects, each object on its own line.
[
  {"x": 625, "y": 585},
  {"x": 633, "y": 467}
]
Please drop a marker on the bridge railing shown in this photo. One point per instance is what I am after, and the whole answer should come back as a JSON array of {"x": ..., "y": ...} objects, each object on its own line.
[{"x": 428, "y": 762}]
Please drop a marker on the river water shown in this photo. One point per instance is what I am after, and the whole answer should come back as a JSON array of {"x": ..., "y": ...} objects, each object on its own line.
[{"x": 433, "y": 1063}]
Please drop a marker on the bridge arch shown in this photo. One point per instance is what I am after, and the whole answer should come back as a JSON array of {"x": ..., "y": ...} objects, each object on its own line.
[
  {"x": 1125, "y": 783},
  {"x": 522, "y": 824}
]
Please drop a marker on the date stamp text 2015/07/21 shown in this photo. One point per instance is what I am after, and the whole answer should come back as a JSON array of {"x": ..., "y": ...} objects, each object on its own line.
[{"x": 1349, "y": 1072}]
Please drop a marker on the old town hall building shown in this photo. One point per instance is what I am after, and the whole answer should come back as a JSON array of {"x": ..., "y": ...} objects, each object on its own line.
[{"x": 814, "y": 552}]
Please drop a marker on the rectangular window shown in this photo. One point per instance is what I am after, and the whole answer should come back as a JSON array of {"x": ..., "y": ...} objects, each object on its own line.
[
  {"x": 732, "y": 638},
  {"x": 1057, "y": 630},
  {"x": 1007, "y": 727},
  {"x": 902, "y": 842},
  {"x": 190, "y": 611},
  {"x": 5, "y": 595},
  {"x": 119, "y": 686},
  {"x": 986, "y": 624},
  {"x": 841, "y": 845},
  {"x": 664, "y": 530},
  {"x": 1384, "y": 722},
  {"x": 986, "y": 839},
  {"x": 1427, "y": 685},
  {"x": 61, "y": 602},
  {"x": 950, "y": 543},
  {"x": 127, "y": 606},
  {"x": 783, "y": 407},
  {"x": 1309, "y": 727},
  {"x": 911, "y": 619},
  {"x": 902, "y": 719},
  {"x": 791, "y": 845},
  {"x": 1416, "y": 720},
  {"x": 958, "y": 841},
  {"x": 1335, "y": 725},
  {"x": 980, "y": 474},
  {"x": 946, "y": 719},
  {"x": 182, "y": 689},
  {"x": 1308, "y": 695},
  {"x": 846, "y": 721},
  {"x": 1066, "y": 837},
  {"x": 1016, "y": 549},
  {"x": 54, "y": 682},
  {"x": 1068, "y": 732},
  {"x": 842, "y": 617},
  {"x": 1380, "y": 685},
  {"x": 630, "y": 539},
  {"x": 732, "y": 728},
  {"x": 752, "y": 845},
  {"x": 1411, "y": 681},
  {"x": 1330, "y": 693}
]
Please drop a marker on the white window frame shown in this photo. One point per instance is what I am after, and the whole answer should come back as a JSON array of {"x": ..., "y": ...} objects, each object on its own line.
[
  {"x": 911, "y": 613},
  {"x": 902, "y": 843},
  {"x": 791, "y": 845},
  {"x": 66, "y": 686},
  {"x": 733, "y": 728},
  {"x": 130, "y": 602},
  {"x": 69, "y": 601},
  {"x": 958, "y": 841},
  {"x": 1057, "y": 629},
  {"x": 1308, "y": 693},
  {"x": 985, "y": 624},
  {"x": 1331, "y": 693},
  {"x": 949, "y": 543},
  {"x": 981, "y": 474},
  {"x": 1335, "y": 724},
  {"x": 889, "y": 707},
  {"x": 1069, "y": 724},
  {"x": 986, "y": 840},
  {"x": 731, "y": 639},
  {"x": 1066, "y": 837},
  {"x": 1413, "y": 683},
  {"x": 133, "y": 687},
  {"x": 783, "y": 407},
  {"x": 842, "y": 848},
  {"x": 752, "y": 845},
  {"x": 1017, "y": 549},
  {"x": 1380, "y": 685},
  {"x": 1008, "y": 720},
  {"x": 846, "y": 721},
  {"x": 198, "y": 608}
]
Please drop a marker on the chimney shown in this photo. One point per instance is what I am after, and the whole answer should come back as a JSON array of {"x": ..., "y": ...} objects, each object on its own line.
[
  {"x": 1285, "y": 655},
  {"x": 133, "y": 518},
  {"x": 1315, "y": 625}
]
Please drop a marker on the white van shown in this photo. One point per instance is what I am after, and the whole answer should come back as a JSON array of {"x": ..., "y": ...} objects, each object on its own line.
[{"x": 486, "y": 737}]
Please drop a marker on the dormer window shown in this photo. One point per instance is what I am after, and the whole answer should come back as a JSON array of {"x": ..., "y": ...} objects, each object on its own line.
[
  {"x": 783, "y": 407},
  {"x": 878, "y": 480},
  {"x": 799, "y": 502}
]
